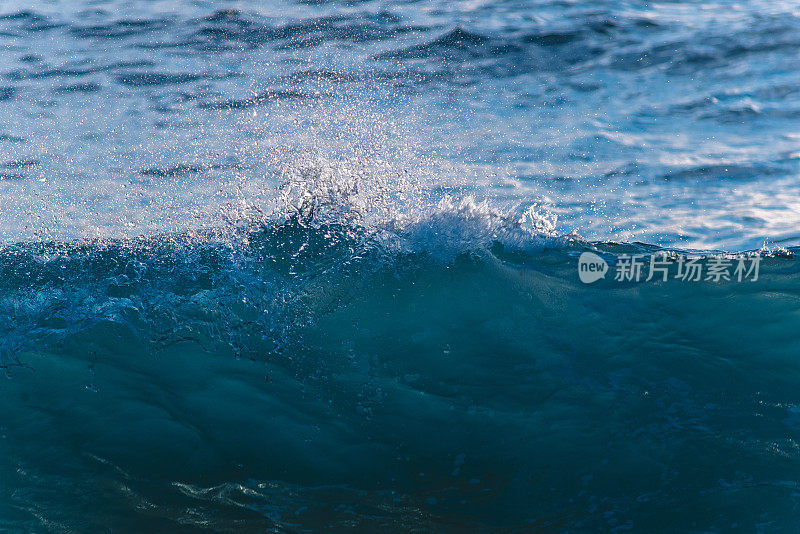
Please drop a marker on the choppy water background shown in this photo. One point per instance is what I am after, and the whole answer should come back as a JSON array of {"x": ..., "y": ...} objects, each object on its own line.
[{"x": 312, "y": 266}]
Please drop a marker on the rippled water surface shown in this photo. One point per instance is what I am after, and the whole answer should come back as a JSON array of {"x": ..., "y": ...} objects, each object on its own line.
[
  {"x": 670, "y": 123},
  {"x": 311, "y": 266}
]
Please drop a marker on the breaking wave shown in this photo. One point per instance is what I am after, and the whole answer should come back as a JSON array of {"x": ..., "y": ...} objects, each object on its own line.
[
  {"x": 315, "y": 267},
  {"x": 344, "y": 361}
]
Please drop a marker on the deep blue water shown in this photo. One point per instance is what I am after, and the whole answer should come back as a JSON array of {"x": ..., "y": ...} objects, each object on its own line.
[{"x": 312, "y": 266}]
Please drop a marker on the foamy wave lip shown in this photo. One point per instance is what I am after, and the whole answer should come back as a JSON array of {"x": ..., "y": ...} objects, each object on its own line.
[
  {"x": 454, "y": 226},
  {"x": 376, "y": 201}
]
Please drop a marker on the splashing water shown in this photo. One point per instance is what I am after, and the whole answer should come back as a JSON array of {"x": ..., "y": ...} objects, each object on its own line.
[{"x": 313, "y": 267}]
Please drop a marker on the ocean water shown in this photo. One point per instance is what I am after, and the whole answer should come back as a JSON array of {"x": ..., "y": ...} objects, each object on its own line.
[{"x": 313, "y": 266}]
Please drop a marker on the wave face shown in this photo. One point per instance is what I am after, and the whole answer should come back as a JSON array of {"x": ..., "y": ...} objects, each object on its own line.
[
  {"x": 311, "y": 375},
  {"x": 311, "y": 266}
]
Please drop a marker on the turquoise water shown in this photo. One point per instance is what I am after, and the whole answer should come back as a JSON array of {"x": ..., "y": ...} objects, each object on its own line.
[{"x": 313, "y": 267}]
